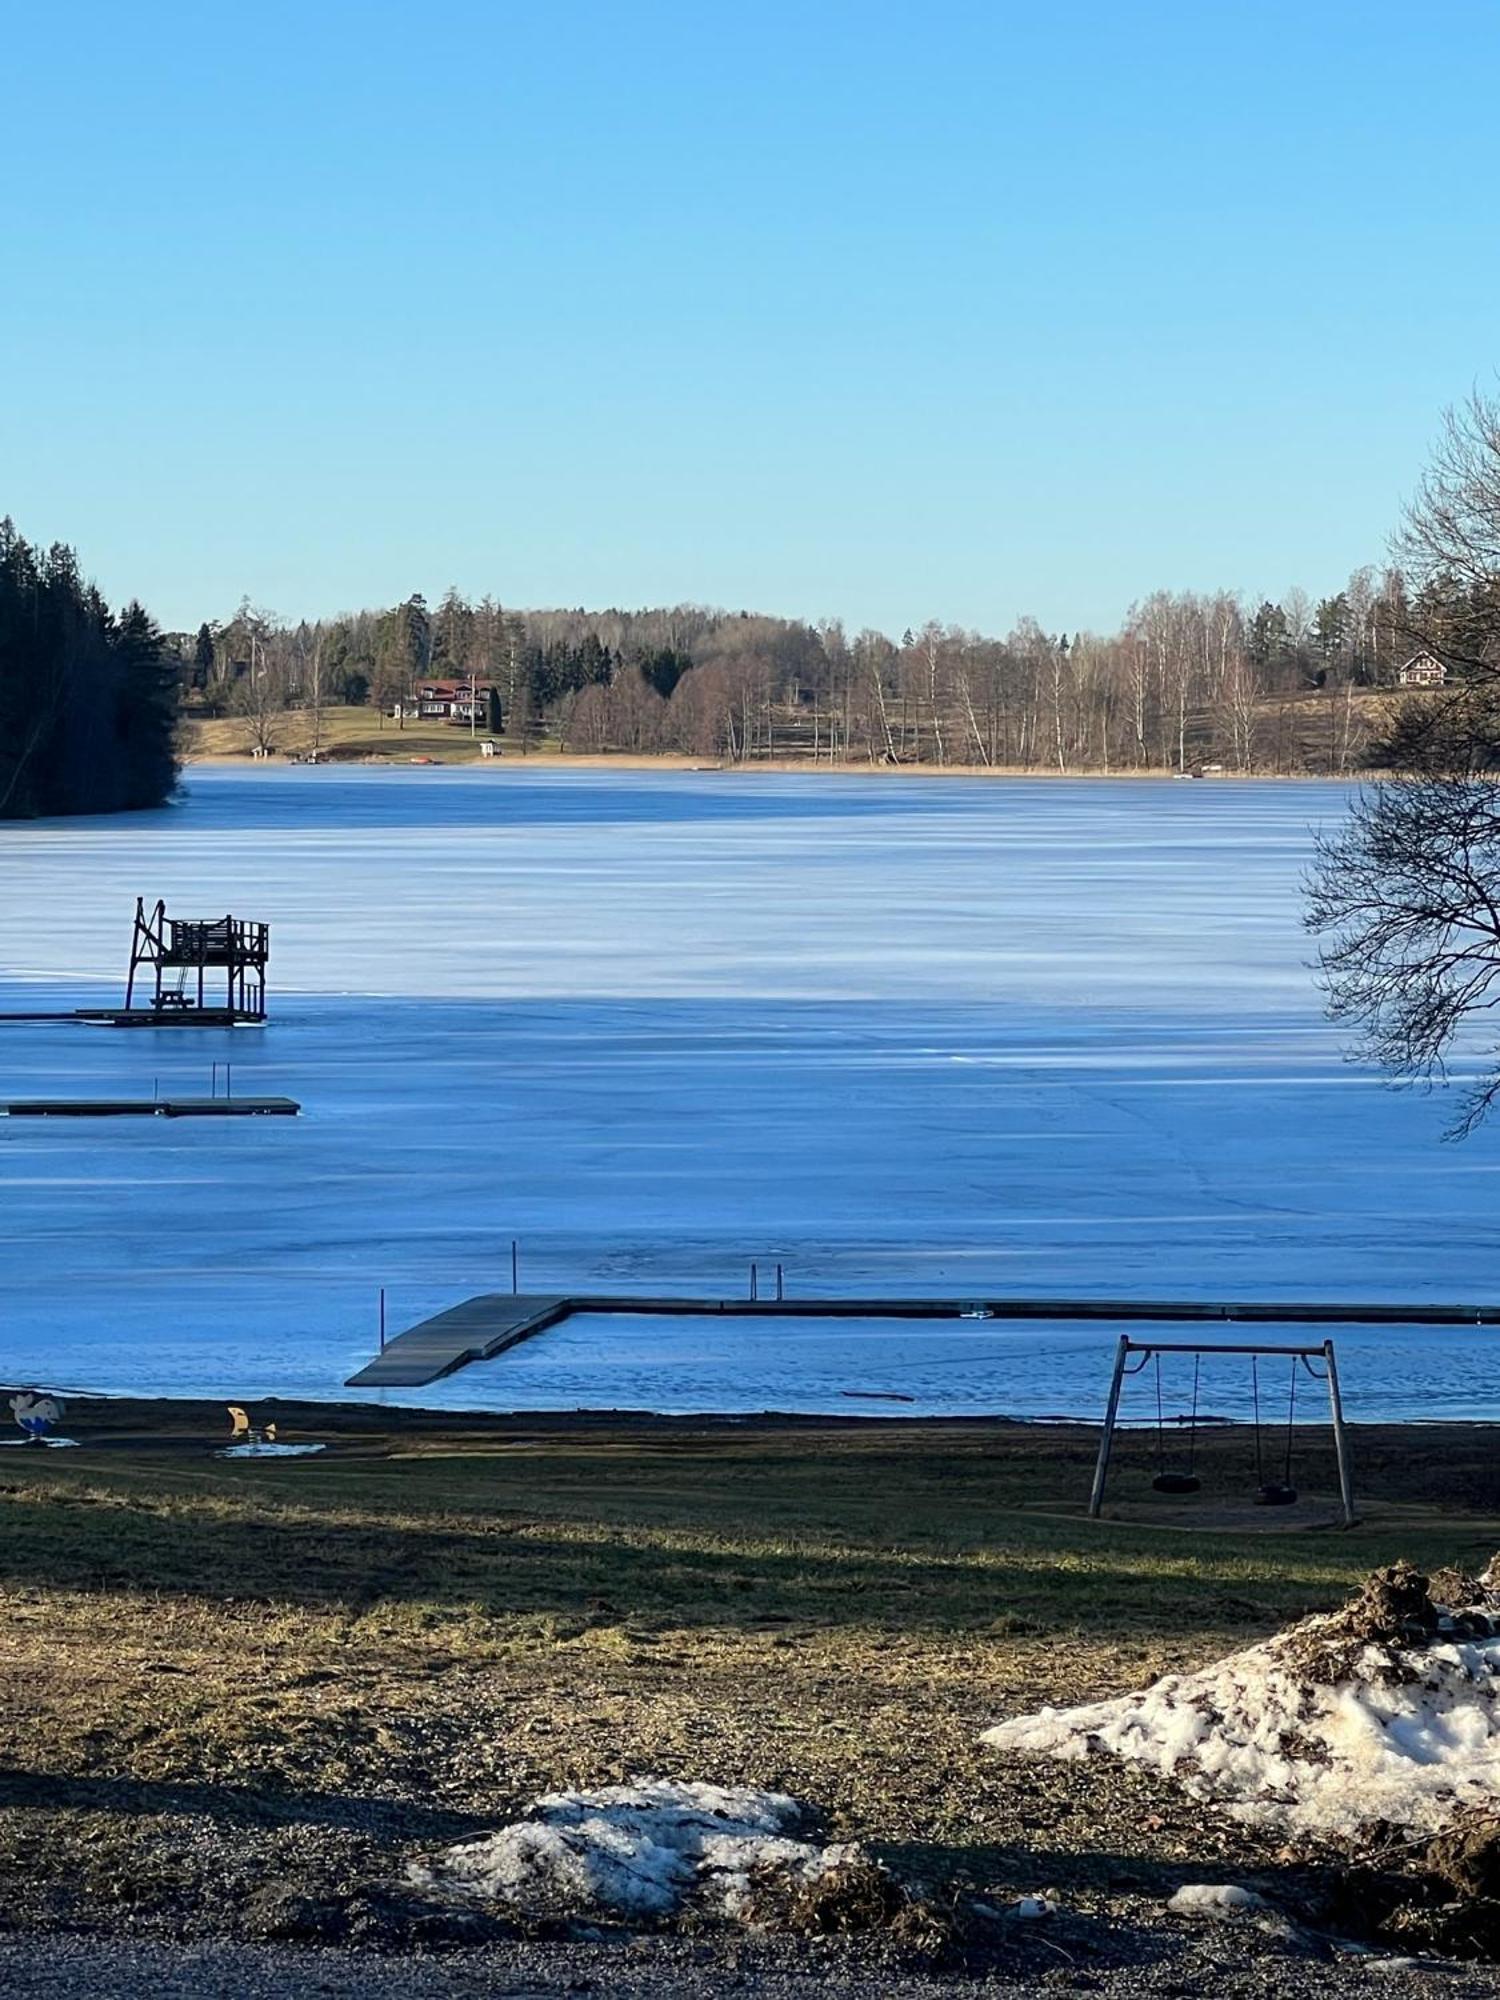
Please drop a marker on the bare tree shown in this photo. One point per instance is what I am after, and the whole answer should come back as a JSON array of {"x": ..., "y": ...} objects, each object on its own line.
[
  {"x": 259, "y": 700},
  {"x": 1452, "y": 527},
  {"x": 1405, "y": 900},
  {"x": 1239, "y": 710}
]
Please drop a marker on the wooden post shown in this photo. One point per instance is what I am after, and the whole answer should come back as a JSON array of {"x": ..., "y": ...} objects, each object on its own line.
[
  {"x": 780, "y": 1285},
  {"x": 515, "y": 1268},
  {"x": 1112, "y": 1410},
  {"x": 754, "y": 1282},
  {"x": 1340, "y": 1440},
  {"x": 382, "y": 1319}
]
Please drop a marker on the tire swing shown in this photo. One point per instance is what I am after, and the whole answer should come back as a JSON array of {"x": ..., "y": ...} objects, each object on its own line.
[
  {"x": 1183, "y": 1479},
  {"x": 1274, "y": 1492}
]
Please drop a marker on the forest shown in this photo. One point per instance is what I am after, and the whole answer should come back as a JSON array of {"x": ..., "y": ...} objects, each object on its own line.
[
  {"x": 1190, "y": 679},
  {"x": 88, "y": 697}
]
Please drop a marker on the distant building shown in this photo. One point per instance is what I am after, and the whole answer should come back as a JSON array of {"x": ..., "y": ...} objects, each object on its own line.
[
  {"x": 1422, "y": 670},
  {"x": 454, "y": 701}
]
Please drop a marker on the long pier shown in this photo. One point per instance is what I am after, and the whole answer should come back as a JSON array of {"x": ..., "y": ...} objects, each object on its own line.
[
  {"x": 488, "y": 1325},
  {"x": 152, "y": 1107}
]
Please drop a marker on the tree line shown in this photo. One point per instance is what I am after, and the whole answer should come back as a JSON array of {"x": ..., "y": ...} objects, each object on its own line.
[
  {"x": 1191, "y": 678},
  {"x": 88, "y": 697}
]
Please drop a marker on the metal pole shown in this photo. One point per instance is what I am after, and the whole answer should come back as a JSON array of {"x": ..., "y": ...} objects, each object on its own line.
[
  {"x": 780, "y": 1286},
  {"x": 228, "y": 1081},
  {"x": 754, "y": 1283},
  {"x": 382, "y": 1319},
  {"x": 1112, "y": 1409},
  {"x": 515, "y": 1268},
  {"x": 1340, "y": 1440}
]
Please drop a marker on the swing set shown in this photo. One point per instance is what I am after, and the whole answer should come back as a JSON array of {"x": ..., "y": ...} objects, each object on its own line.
[{"x": 1177, "y": 1472}]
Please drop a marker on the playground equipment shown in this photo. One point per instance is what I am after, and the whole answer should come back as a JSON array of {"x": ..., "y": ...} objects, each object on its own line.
[
  {"x": 1132, "y": 1356},
  {"x": 35, "y": 1413},
  {"x": 248, "y": 1440}
]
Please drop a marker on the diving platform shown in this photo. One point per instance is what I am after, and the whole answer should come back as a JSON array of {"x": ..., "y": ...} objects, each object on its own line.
[
  {"x": 190, "y": 972},
  {"x": 486, "y": 1326}
]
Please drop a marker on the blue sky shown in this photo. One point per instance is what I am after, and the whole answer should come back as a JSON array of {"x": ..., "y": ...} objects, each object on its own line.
[{"x": 875, "y": 311}]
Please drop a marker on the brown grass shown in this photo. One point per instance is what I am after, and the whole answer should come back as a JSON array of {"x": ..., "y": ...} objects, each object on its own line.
[{"x": 409, "y": 1636}]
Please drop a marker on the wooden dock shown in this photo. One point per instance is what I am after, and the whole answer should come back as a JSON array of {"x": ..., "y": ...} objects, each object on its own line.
[
  {"x": 142, "y": 1017},
  {"x": 152, "y": 1107},
  {"x": 478, "y": 1330},
  {"x": 486, "y": 1326}
]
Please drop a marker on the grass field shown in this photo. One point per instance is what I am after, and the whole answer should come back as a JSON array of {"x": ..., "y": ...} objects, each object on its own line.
[
  {"x": 1300, "y": 725},
  {"x": 222, "y": 1676}
]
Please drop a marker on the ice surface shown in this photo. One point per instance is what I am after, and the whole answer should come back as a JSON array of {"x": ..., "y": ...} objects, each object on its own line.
[
  {"x": 927, "y": 1036},
  {"x": 1410, "y": 1737},
  {"x": 636, "y": 1851}
]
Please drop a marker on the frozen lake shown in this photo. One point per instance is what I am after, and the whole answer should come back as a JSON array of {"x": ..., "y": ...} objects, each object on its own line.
[{"x": 934, "y": 1036}]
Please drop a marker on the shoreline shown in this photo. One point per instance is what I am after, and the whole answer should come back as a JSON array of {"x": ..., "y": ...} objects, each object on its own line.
[
  {"x": 119, "y": 1418},
  {"x": 561, "y": 760}
]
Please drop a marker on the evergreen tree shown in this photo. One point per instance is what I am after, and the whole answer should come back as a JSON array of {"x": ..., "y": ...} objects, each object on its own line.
[{"x": 88, "y": 703}]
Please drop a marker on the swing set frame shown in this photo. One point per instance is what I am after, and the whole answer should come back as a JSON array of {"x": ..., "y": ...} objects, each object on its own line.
[{"x": 1126, "y": 1365}]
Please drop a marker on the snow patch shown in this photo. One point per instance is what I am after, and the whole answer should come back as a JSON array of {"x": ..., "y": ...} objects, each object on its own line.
[
  {"x": 1313, "y": 1731},
  {"x": 639, "y": 1851},
  {"x": 1217, "y": 1900}
]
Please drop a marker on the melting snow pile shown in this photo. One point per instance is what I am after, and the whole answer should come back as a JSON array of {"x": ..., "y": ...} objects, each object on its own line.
[
  {"x": 1388, "y": 1710},
  {"x": 644, "y": 1850}
]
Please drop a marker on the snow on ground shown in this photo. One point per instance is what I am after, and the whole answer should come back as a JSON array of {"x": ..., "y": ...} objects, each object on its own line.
[
  {"x": 638, "y": 1851},
  {"x": 932, "y": 1036},
  {"x": 1402, "y": 1731}
]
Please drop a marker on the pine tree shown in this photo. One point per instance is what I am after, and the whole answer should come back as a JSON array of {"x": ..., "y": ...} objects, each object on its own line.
[{"x": 88, "y": 703}]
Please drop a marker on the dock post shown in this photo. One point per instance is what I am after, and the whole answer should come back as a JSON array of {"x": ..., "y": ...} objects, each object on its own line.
[
  {"x": 1340, "y": 1440},
  {"x": 1112, "y": 1410},
  {"x": 515, "y": 1268},
  {"x": 382, "y": 1319}
]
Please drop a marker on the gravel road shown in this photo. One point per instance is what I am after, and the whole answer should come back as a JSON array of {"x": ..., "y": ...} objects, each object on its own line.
[{"x": 1232, "y": 1964}]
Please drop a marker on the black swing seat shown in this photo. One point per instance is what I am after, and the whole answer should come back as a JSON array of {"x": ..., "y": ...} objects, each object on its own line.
[
  {"x": 1275, "y": 1493},
  {"x": 1176, "y": 1482}
]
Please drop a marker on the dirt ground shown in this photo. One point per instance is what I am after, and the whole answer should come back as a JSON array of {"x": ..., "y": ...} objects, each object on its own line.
[{"x": 242, "y": 1696}]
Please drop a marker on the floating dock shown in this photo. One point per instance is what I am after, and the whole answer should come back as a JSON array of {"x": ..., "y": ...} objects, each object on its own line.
[
  {"x": 146, "y": 1017},
  {"x": 478, "y": 1330},
  {"x": 153, "y": 1107},
  {"x": 486, "y": 1326}
]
